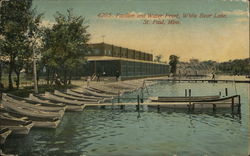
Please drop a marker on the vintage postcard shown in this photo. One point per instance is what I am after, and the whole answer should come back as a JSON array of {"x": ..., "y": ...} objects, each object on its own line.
[{"x": 124, "y": 78}]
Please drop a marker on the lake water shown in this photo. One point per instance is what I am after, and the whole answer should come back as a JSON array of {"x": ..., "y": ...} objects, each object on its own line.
[{"x": 121, "y": 132}]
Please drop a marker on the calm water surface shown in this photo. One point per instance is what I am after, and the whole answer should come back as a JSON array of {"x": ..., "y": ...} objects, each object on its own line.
[{"x": 120, "y": 132}]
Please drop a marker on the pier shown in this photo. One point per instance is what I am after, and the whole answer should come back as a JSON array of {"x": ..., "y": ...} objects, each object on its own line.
[
  {"x": 213, "y": 104},
  {"x": 199, "y": 80}
]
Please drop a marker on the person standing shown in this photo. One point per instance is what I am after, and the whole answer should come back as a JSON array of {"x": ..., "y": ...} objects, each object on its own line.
[
  {"x": 103, "y": 74},
  {"x": 98, "y": 77},
  {"x": 88, "y": 81},
  {"x": 117, "y": 75},
  {"x": 213, "y": 76}
]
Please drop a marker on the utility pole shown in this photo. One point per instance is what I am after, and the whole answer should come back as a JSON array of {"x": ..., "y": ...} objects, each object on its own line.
[
  {"x": 34, "y": 72},
  {"x": 103, "y": 36}
]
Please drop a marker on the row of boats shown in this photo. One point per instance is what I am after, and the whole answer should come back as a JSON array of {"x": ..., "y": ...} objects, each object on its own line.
[{"x": 18, "y": 115}]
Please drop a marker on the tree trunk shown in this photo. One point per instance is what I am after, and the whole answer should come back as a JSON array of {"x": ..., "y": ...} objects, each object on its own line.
[
  {"x": 70, "y": 77},
  {"x": 18, "y": 79},
  {"x": 1, "y": 71},
  {"x": 10, "y": 74},
  {"x": 53, "y": 77},
  {"x": 47, "y": 76},
  {"x": 1, "y": 85},
  {"x": 65, "y": 77}
]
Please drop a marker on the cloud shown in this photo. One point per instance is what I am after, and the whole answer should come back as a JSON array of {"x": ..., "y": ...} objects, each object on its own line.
[
  {"x": 245, "y": 1},
  {"x": 242, "y": 20},
  {"x": 236, "y": 13}
]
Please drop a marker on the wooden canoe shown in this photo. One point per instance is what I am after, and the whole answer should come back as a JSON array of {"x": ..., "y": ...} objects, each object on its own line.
[
  {"x": 91, "y": 95},
  {"x": 98, "y": 90},
  {"x": 69, "y": 97},
  {"x": 42, "y": 103},
  {"x": 38, "y": 122},
  {"x": 87, "y": 92},
  {"x": 62, "y": 99},
  {"x": 18, "y": 127},
  {"x": 29, "y": 111},
  {"x": 32, "y": 108},
  {"x": 48, "y": 102},
  {"x": 70, "y": 106},
  {"x": 33, "y": 104},
  {"x": 4, "y": 133},
  {"x": 79, "y": 94}
]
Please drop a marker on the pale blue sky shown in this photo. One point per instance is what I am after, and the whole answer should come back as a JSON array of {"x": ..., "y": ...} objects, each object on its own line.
[{"x": 217, "y": 39}]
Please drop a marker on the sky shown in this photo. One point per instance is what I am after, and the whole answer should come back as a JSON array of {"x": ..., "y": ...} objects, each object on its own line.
[{"x": 215, "y": 30}]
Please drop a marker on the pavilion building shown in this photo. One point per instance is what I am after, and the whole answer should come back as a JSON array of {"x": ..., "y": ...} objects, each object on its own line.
[{"x": 103, "y": 58}]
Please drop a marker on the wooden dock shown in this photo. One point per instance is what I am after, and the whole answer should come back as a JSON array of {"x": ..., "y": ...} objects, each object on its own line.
[
  {"x": 232, "y": 103},
  {"x": 200, "y": 80}
]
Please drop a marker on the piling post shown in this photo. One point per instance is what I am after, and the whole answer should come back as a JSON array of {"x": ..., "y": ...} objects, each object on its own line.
[
  {"x": 239, "y": 105},
  {"x": 185, "y": 92},
  {"x": 112, "y": 101},
  {"x": 138, "y": 103},
  {"x": 226, "y": 92},
  {"x": 142, "y": 95},
  {"x": 193, "y": 107},
  {"x": 118, "y": 99},
  {"x": 233, "y": 105},
  {"x": 219, "y": 93},
  {"x": 189, "y": 94},
  {"x": 214, "y": 107},
  {"x": 158, "y": 108}
]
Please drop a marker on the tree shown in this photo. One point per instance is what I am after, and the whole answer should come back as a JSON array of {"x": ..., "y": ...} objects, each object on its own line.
[
  {"x": 1, "y": 61},
  {"x": 238, "y": 66},
  {"x": 65, "y": 45},
  {"x": 158, "y": 58},
  {"x": 173, "y": 60},
  {"x": 15, "y": 27}
]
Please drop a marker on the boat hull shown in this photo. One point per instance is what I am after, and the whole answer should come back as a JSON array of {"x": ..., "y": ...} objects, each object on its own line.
[
  {"x": 46, "y": 124},
  {"x": 19, "y": 129},
  {"x": 4, "y": 135}
]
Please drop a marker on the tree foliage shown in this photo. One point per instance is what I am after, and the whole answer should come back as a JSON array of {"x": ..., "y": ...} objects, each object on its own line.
[
  {"x": 173, "y": 61},
  {"x": 17, "y": 25},
  {"x": 158, "y": 58},
  {"x": 236, "y": 67},
  {"x": 65, "y": 45}
]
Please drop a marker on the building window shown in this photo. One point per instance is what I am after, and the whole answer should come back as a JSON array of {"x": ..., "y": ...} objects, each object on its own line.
[{"x": 97, "y": 51}]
